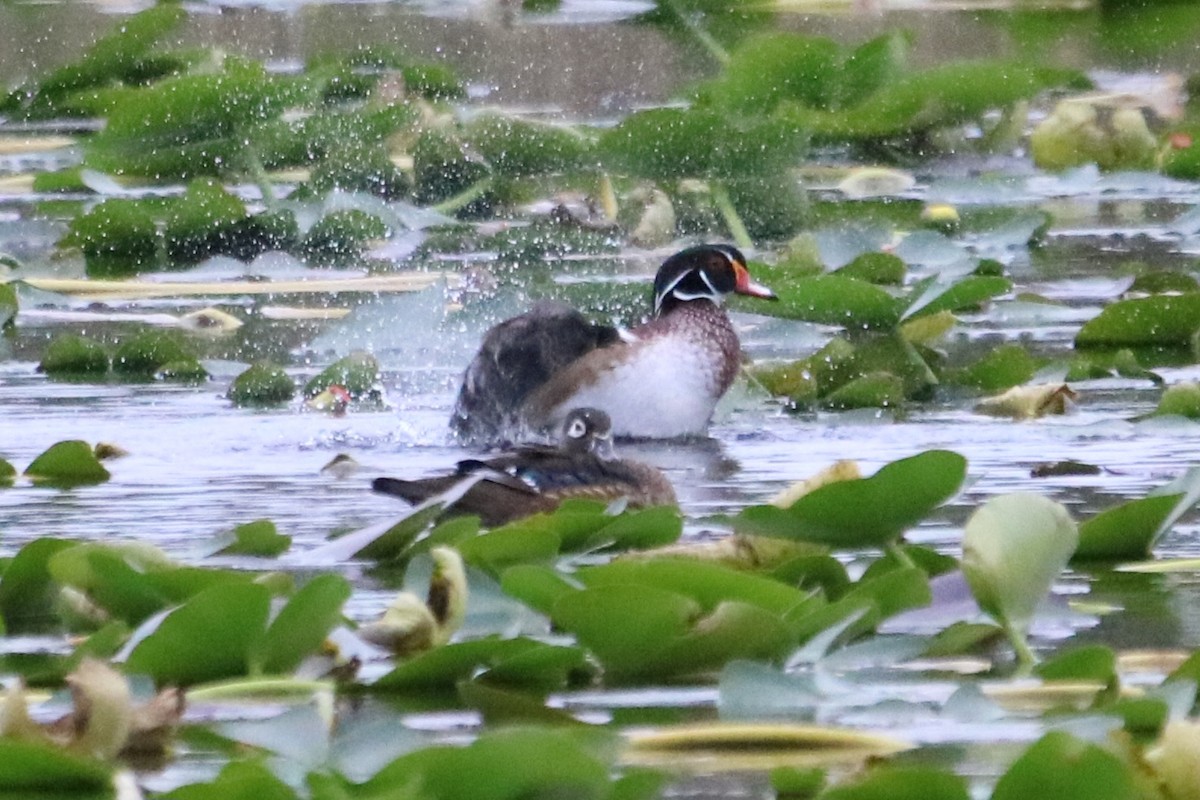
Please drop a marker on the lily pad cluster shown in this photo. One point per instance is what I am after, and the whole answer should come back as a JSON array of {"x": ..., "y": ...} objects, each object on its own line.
[
  {"x": 371, "y": 124},
  {"x": 762, "y": 613}
]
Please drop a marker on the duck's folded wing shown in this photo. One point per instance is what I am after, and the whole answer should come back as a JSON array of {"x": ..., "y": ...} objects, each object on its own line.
[{"x": 516, "y": 357}]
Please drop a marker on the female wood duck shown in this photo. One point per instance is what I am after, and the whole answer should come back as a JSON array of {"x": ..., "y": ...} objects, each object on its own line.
[
  {"x": 537, "y": 478},
  {"x": 661, "y": 379}
]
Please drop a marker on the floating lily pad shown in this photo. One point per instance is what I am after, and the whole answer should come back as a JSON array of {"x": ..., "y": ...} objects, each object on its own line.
[
  {"x": 202, "y": 223},
  {"x": 1087, "y": 663},
  {"x": 215, "y": 635},
  {"x": 238, "y": 780},
  {"x": 8, "y": 473},
  {"x": 1001, "y": 368},
  {"x": 118, "y": 237},
  {"x": 262, "y": 385},
  {"x": 505, "y": 764},
  {"x": 1125, "y": 531},
  {"x": 192, "y": 125},
  {"x": 873, "y": 390},
  {"x": 663, "y": 633},
  {"x": 27, "y": 592},
  {"x": 357, "y": 373},
  {"x": 1061, "y": 766},
  {"x": 147, "y": 353},
  {"x": 1181, "y": 399},
  {"x": 73, "y": 356},
  {"x": 517, "y": 147},
  {"x": 895, "y": 782},
  {"x": 865, "y": 512},
  {"x": 445, "y": 166},
  {"x": 881, "y": 268},
  {"x": 186, "y": 370},
  {"x": 33, "y": 768},
  {"x": 8, "y": 306},
  {"x": 963, "y": 294},
  {"x": 833, "y": 300},
  {"x": 1167, "y": 320},
  {"x": 509, "y": 661},
  {"x": 674, "y": 143},
  {"x": 300, "y": 627},
  {"x": 340, "y": 236},
  {"x": 121, "y": 56},
  {"x": 258, "y": 538},
  {"x": 70, "y": 463}
]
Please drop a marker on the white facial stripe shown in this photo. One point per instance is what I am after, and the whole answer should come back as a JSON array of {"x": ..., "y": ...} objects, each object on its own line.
[
  {"x": 577, "y": 429},
  {"x": 668, "y": 289}
]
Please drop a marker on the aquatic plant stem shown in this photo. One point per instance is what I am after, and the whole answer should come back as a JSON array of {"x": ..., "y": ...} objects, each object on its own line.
[
  {"x": 464, "y": 198},
  {"x": 737, "y": 229},
  {"x": 897, "y": 552},
  {"x": 1025, "y": 655},
  {"x": 700, "y": 34}
]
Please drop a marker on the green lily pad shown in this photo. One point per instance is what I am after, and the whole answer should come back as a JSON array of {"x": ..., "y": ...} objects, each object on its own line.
[
  {"x": 663, "y": 633},
  {"x": 868, "y": 512},
  {"x": 1014, "y": 547},
  {"x": 770, "y": 69},
  {"x": 539, "y": 587},
  {"x": 303, "y": 623},
  {"x": 506, "y": 764},
  {"x": 192, "y": 125},
  {"x": 873, "y": 390},
  {"x": 1087, "y": 663},
  {"x": 362, "y": 168},
  {"x": 340, "y": 236},
  {"x": 674, "y": 143},
  {"x": 516, "y": 147},
  {"x": 8, "y": 473},
  {"x": 444, "y": 166},
  {"x": 707, "y": 584},
  {"x": 185, "y": 371},
  {"x": 258, "y": 538},
  {"x": 834, "y": 300},
  {"x": 121, "y": 56},
  {"x": 144, "y": 355},
  {"x": 119, "y": 236},
  {"x": 1163, "y": 281},
  {"x": 357, "y": 373},
  {"x": 894, "y": 782},
  {"x": 880, "y": 268},
  {"x": 73, "y": 356},
  {"x": 1001, "y": 368},
  {"x": 35, "y": 767},
  {"x": 1059, "y": 765},
  {"x": 214, "y": 635},
  {"x": 70, "y": 463},
  {"x": 444, "y": 667},
  {"x": 238, "y": 780},
  {"x": 118, "y": 578},
  {"x": 1166, "y": 320},
  {"x": 1181, "y": 399},
  {"x": 8, "y": 306},
  {"x": 262, "y": 385},
  {"x": 203, "y": 222},
  {"x": 27, "y": 592},
  {"x": 962, "y": 294},
  {"x": 1128, "y": 530}
]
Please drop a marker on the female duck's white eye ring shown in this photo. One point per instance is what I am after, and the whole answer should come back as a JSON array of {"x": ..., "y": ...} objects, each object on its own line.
[{"x": 577, "y": 429}]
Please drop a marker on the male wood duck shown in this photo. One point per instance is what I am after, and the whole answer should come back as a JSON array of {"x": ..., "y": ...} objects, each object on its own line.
[
  {"x": 662, "y": 379},
  {"x": 537, "y": 478}
]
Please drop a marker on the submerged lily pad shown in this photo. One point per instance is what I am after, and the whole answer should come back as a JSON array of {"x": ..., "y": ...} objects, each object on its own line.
[
  {"x": 865, "y": 512},
  {"x": 69, "y": 463}
]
